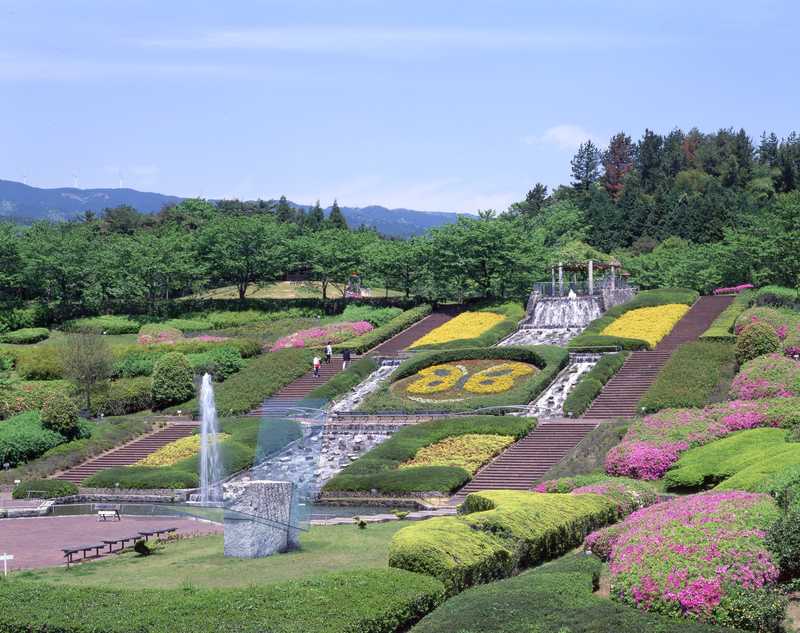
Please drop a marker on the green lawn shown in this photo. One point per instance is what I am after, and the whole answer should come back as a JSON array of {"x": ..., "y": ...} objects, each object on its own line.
[
  {"x": 199, "y": 562},
  {"x": 288, "y": 290}
]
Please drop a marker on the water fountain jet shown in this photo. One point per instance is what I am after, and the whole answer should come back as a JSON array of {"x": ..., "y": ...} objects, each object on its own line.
[{"x": 210, "y": 467}]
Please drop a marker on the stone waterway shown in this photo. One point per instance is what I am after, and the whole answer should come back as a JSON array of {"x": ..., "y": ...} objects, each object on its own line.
[{"x": 550, "y": 404}]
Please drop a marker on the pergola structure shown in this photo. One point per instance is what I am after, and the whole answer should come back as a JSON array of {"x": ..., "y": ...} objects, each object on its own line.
[{"x": 588, "y": 267}]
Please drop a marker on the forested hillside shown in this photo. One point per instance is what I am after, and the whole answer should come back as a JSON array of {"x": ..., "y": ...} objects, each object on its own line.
[{"x": 686, "y": 209}]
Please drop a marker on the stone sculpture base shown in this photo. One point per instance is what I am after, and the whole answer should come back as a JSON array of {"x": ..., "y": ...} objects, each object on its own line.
[{"x": 245, "y": 503}]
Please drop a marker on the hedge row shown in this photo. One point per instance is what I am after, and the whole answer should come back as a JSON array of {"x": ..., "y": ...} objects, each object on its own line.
[
  {"x": 44, "y": 489},
  {"x": 746, "y": 460},
  {"x": 778, "y": 297},
  {"x": 103, "y": 436},
  {"x": 263, "y": 376},
  {"x": 513, "y": 313},
  {"x": 499, "y": 532},
  {"x": 367, "y": 341},
  {"x": 554, "y": 598},
  {"x": 691, "y": 376},
  {"x": 549, "y": 359},
  {"x": 344, "y": 381},
  {"x": 721, "y": 328},
  {"x": 591, "y": 384},
  {"x": 251, "y": 439},
  {"x": 25, "y": 336},
  {"x": 373, "y": 601},
  {"x": 591, "y": 337},
  {"x": 379, "y": 469},
  {"x": 23, "y": 438}
]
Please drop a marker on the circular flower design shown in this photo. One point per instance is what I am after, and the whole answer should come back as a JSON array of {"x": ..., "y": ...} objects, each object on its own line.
[
  {"x": 497, "y": 379},
  {"x": 437, "y": 378}
]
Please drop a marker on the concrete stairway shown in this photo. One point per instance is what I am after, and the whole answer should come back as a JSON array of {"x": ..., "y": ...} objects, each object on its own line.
[
  {"x": 130, "y": 453},
  {"x": 524, "y": 463},
  {"x": 293, "y": 394},
  {"x": 401, "y": 341},
  {"x": 620, "y": 396}
]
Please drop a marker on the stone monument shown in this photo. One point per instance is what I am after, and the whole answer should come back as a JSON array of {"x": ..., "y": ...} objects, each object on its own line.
[{"x": 258, "y": 518}]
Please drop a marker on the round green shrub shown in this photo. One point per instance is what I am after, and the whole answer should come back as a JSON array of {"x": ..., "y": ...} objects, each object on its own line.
[
  {"x": 755, "y": 340},
  {"x": 25, "y": 336},
  {"x": 173, "y": 380},
  {"x": 44, "y": 489},
  {"x": 783, "y": 540},
  {"x": 60, "y": 414}
]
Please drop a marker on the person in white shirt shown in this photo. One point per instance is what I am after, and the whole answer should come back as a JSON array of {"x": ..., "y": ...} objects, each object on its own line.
[
  {"x": 328, "y": 353},
  {"x": 317, "y": 364}
]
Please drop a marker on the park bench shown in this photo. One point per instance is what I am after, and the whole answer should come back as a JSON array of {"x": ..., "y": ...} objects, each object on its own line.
[
  {"x": 157, "y": 532},
  {"x": 122, "y": 542},
  {"x": 69, "y": 552},
  {"x": 106, "y": 511}
]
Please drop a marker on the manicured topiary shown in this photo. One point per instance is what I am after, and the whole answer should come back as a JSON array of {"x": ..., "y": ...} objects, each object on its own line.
[
  {"x": 754, "y": 340},
  {"x": 60, "y": 414},
  {"x": 25, "y": 336},
  {"x": 173, "y": 380}
]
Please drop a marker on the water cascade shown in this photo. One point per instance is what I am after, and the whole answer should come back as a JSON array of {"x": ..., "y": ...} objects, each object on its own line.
[{"x": 210, "y": 467}]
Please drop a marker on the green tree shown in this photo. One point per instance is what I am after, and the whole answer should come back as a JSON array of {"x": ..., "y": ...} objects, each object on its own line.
[
  {"x": 87, "y": 361},
  {"x": 284, "y": 212},
  {"x": 585, "y": 166},
  {"x": 173, "y": 380},
  {"x": 60, "y": 414},
  {"x": 336, "y": 219},
  {"x": 315, "y": 218}
]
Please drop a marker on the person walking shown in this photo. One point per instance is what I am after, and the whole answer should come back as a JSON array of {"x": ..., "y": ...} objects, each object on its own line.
[
  {"x": 317, "y": 364},
  {"x": 345, "y": 358},
  {"x": 328, "y": 353}
]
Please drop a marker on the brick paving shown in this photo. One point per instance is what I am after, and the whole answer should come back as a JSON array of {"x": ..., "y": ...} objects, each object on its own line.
[{"x": 37, "y": 542}]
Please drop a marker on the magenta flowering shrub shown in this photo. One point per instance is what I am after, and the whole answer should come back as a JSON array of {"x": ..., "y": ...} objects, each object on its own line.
[
  {"x": 692, "y": 555},
  {"x": 733, "y": 290},
  {"x": 319, "y": 336},
  {"x": 628, "y": 495},
  {"x": 654, "y": 443},
  {"x": 768, "y": 376},
  {"x": 785, "y": 322}
]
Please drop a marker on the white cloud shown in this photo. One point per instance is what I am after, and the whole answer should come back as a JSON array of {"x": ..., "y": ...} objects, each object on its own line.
[{"x": 566, "y": 136}]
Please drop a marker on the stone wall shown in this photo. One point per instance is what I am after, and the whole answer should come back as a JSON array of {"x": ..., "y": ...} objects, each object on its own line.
[{"x": 258, "y": 516}]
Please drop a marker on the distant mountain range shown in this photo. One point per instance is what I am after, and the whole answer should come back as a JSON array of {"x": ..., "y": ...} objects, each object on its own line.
[{"x": 23, "y": 203}]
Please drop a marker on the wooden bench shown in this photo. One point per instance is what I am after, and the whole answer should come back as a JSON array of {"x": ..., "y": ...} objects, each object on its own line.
[
  {"x": 122, "y": 541},
  {"x": 106, "y": 511},
  {"x": 69, "y": 552},
  {"x": 157, "y": 532}
]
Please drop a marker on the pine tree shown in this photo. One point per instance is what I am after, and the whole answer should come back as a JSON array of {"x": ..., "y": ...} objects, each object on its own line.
[
  {"x": 617, "y": 162},
  {"x": 336, "y": 219},
  {"x": 585, "y": 166},
  {"x": 284, "y": 211},
  {"x": 768, "y": 149},
  {"x": 315, "y": 218}
]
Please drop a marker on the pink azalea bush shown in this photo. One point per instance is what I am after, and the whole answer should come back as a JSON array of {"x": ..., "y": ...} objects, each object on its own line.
[
  {"x": 627, "y": 494},
  {"x": 692, "y": 556},
  {"x": 654, "y": 443},
  {"x": 733, "y": 290},
  {"x": 319, "y": 336},
  {"x": 786, "y": 324},
  {"x": 768, "y": 376}
]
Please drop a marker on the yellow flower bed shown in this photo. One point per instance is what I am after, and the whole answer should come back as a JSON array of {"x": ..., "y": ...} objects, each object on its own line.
[
  {"x": 647, "y": 324},
  {"x": 465, "y": 325},
  {"x": 498, "y": 378},
  {"x": 469, "y": 452},
  {"x": 176, "y": 451},
  {"x": 436, "y": 378}
]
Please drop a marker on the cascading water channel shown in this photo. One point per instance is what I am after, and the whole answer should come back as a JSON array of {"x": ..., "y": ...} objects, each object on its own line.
[{"x": 210, "y": 467}]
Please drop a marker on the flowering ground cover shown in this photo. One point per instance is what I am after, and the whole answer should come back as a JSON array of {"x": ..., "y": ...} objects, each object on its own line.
[
  {"x": 648, "y": 324},
  {"x": 319, "y": 336},
  {"x": 176, "y": 451},
  {"x": 655, "y": 442},
  {"x": 701, "y": 556},
  {"x": 470, "y": 451},
  {"x": 466, "y": 325},
  {"x": 768, "y": 376},
  {"x": 745, "y": 460}
]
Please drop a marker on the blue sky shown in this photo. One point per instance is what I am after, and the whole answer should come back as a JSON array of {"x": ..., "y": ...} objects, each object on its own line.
[{"x": 448, "y": 105}]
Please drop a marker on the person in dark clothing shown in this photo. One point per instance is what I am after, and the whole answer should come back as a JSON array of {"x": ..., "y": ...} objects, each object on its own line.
[{"x": 345, "y": 358}]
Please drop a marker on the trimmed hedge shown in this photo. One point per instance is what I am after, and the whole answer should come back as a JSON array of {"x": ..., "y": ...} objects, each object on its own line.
[
  {"x": 555, "y": 598},
  {"x": 721, "y": 329},
  {"x": 25, "y": 336},
  {"x": 367, "y": 601},
  {"x": 746, "y": 460},
  {"x": 592, "y": 383},
  {"x": 778, "y": 297},
  {"x": 124, "y": 396},
  {"x": 263, "y": 376},
  {"x": 367, "y": 341},
  {"x": 344, "y": 381},
  {"x": 499, "y": 532},
  {"x": 23, "y": 438},
  {"x": 591, "y": 337},
  {"x": 44, "y": 489},
  {"x": 692, "y": 374},
  {"x": 549, "y": 359},
  {"x": 756, "y": 340},
  {"x": 379, "y": 468},
  {"x": 106, "y": 324}
]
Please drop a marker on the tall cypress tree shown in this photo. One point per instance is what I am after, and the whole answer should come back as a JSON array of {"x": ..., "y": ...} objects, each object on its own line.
[
  {"x": 585, "y": 166},
  {"x": 617, "y": 162},
  {"x": 315, "y": 218},
  {"x": 336, "y": 218}
]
